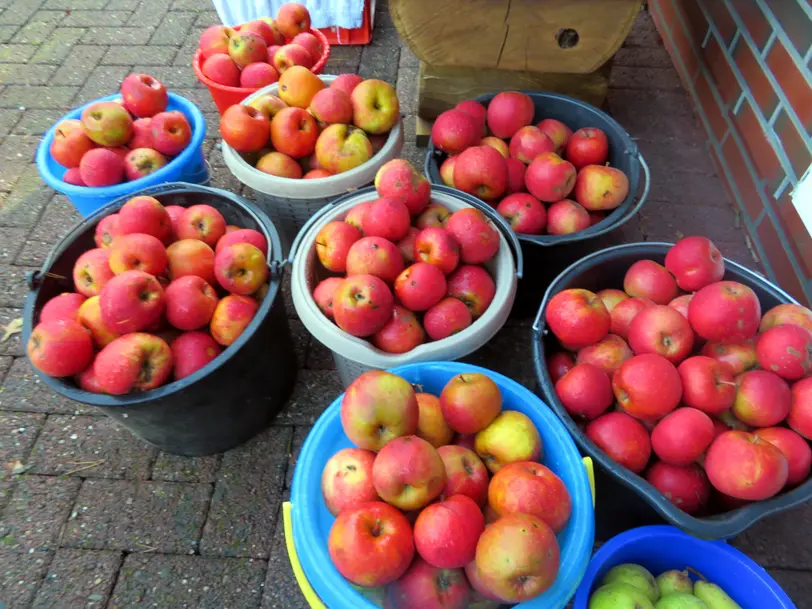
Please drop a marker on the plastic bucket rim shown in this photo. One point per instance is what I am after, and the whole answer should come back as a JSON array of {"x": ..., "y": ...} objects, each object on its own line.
[
  {"x": 197, "y": 65},
  {"x": 43, "y": 155},
  {"x": 425, "y": 352},
  {"x": 586, "y": 511},
  {"x": 733, "y": 521},
  {"x": 614, "y": 219},
  {"x": 58, "y": 384},
  {"x": 602, "y": 559},
  {"x": 231, "y": 156}
]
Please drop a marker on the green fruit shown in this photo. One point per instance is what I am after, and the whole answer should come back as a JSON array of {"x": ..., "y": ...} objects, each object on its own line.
[
  {"x": 636, "y": 576},
  {"x": 714, "y": 596},
  {"x": 674, "y": 581},
  {"x": 679, "y": 600},
  {"x": 619, "y": 596}
]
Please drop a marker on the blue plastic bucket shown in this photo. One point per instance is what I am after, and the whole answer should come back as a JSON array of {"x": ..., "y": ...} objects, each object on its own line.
[
  {"x": 311, "y": 522},
  {"x": 189, "y": 166},
  {"x": 662, "y": 548}
]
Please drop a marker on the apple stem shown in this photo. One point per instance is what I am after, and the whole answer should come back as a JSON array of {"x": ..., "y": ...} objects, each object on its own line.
[{"x": 726, "y": 383}]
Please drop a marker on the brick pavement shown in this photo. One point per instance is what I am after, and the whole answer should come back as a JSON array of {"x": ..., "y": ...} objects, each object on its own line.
[{"x": 142, "y": 528}]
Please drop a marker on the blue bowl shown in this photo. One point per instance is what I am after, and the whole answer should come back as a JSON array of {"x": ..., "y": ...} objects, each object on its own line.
[
  {"x": 662, "y": 548},
  {"x": 189, "y": 166},
  {"x": 312, "y": 521}
]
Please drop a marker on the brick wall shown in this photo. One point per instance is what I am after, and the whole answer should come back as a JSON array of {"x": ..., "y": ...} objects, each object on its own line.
[{"x": 746, "y": 65}]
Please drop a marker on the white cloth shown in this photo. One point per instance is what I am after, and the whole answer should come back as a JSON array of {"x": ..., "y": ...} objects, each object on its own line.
[{"x": 346, "y": 14}]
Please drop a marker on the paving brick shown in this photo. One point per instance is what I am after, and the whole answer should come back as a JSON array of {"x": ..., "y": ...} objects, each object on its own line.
[
  {"x": 19, "y": 148},
  {"x": 76, "y": 5},
  {"x": 6, "y": 489},
  {"x": 507, "y": 353},
  {"x": 138, "y": 516},
  {"x": 20, "y": 576},
  {"x": 187, "y": 52},
  {"x": 95, "y": 18},
  {"x": 16, "y": 53},
  {"x": 188, "y": 581},
  {"x": 639, "y": 77},
  {"x": 200, "y": 97},
  {"x": 175, "y": 468},
  {"x": 415, "y": 155},
  {"x": 117, "y": 35},
  {"x": 319, "y": 357},
  {"x": 797, "y": 585},
  {"x": 686, "y": 188},
  {"x": 18, "y": 431},
  {"x": 37, "y": 97},
  {"x": 90, "y": 447},
  {"x": 384, "y": 48},
  {"x": 12, "y": 288},
  {"x": 19, "y": 12},
  {"x": 8, "y": 117},
  {"x": 407, "y": 90},
  {"x": 46, "y": 16},
  {"x": 387, "y": 72},
  {"x": 172, "y": 76},
  {"x": 23, "y": 206},
  {"x": 58, "y": 218},
  {"x": 642, "y": 57},
  {"x": 643, "y": 32},
  {"x": 344, "y": 59},
  {"x": 666, "y": 221},
  {"x": 58, "y": 45},
  {"x": 5, "y": 365},
  {"x": 12, "y": 347},
  {"x": 10, "y": 241},
  {"x": 776, "y": 543},
  {"x": 102, "y": 81},
  {"x": 149, "y": 13},
  {"x": 173, "y": 29},
  {"x": 7, "y": 32},
  {"x": 315, "y": 390},
  {"x": 78, "y": 579},
  {"x": 299, "y": 435},
  {"x": 676, "y": 154},
  {"x": 122, "y": 5},
  {"x": 207, "y": 19},
  {"x": 301, "y": 339},
  {"x": 36, "y": 513},
  {"x": 78, "y": 65},
  {"x": 281, "y": 589},
  {"x": 407, "y": 58},
  {"x": 221, "y": 177},
  {"x": 34, "y": 32},
  {"x": 37, "y": 122},
  {"x": 246, "y": 495},
  {"x": 655, "y": 114},
  {"x": 129, "y": 55},
  {"x": 24, "y": 391},
  {"x": 13, "y": 74}
]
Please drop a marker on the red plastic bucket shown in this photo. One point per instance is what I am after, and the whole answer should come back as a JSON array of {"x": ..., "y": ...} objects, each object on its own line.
[{"x": 224, "y": 97}]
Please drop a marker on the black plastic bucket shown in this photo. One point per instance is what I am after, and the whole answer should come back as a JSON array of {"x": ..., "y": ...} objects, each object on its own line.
[
  {"x": 626, "y": 499},
  {"x": 547, "y": 263},
  {"x": 226, "y": 402}
]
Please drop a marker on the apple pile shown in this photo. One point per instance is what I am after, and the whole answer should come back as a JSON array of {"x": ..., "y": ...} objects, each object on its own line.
[
  {"x": 255, "y": 54},
  {"x": 520, "y": 167},
  {"x": 164, "y": 290},
  {"x": 444, "y": 501},
  {"x": 402, "y": 256},
  {"x": 682, "y": 363},
  {"x": 312, "y": 130},
  {"x": 108, "y": 146}
]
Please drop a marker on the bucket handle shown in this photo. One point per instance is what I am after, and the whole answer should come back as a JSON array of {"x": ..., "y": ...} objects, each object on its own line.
[
  {"x": 495, "y": 218},
  {"x": 304, "y": 585}
]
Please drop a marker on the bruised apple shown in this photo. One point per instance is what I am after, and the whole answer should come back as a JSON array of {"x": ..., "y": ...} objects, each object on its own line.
[
  {"x": 763, "y": 398},
  {"x": 725, "y": 311},
  {"x": 738, "y": 357},
  {"x": 347, "y": 480},
  {"x": 607, "y": 354},
  {"x": 795, "y": 449}
]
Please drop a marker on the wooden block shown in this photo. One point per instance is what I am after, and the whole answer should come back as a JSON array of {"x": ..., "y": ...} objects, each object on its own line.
[
  {"x": 422, "y": 134},
  {"x": 441, "y": 88},
  {"x": 562, "y": 36}
]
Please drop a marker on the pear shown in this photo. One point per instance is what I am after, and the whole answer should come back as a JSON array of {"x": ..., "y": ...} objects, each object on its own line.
[
  {"x": 679, "y": 600},
  {"x": 619, "y": 596},
  {"x": 636, "y": 576},
  {"x": 674, "y": 581},
  {"x": 714, "y": 596}
]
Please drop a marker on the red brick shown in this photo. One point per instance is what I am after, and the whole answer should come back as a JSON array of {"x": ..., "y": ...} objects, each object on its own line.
[
  {"x": 791, "y": 81},
  {"x": 723, "y": 76},
  {"x": 694, "y": 19},
  {"x": 796, "y": 232},
  {"x": 783, "y": 272},
  {"x": 711, "y": 107},
  {"x": 794, "y": 21},
  {"x": 755, "y": 22},
  {"x": 755, "y": 78},
  {"x": 749, "y": 198},
  {"x": 758, "y": 147},
  {"x": 799, "y": 154},
  {"x": 677, "y": 42},
  {"x": 722, "y": 19}
]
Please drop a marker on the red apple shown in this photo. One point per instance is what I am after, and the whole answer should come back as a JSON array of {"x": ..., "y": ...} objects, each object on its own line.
[
  {"x": 231, "y": 317},
  {"x": 64, "y": 307},
  {"x": 739, "y": 357},
  {"x": 412, "y": 487},
  {"x": 171, "y": 132},
  {"x": 190, "y": 303},
  {"x": 585, "y": 391},
  {"x": 244, "y": 128},
  {"x": 202, "y": 222},
  {"x": 131, "y": 302},
  {"x": 101, "y": 167},
  {"x": 600, "y": 188},
  {"x": 401, "y": 333},
  {"x": 686, "y": 487},
  {"x": 470, "y": 402},
  {"x": 92, "y": 272},
  {"x": 647, "y": 279},
  {"x": 420, "y": 286},
  {"x": 90, "y": 316},
  {"x": 707, "y": 384},
  {"x": 73, "y": 176},
  {"x": 373, "y": 256},
  {"x": 428, "y": 587},
  {"x": 246, "y": 48},
  {"x": 745, "y": 466},
  {"x": 346, "y": 480},
  {"x": 476, "y": 110},
  {"x": 135, "y": 361},
  {"x": 60, "y": 347},
  {"x": 530, "y": 142},
  {"x": 346, "y": 82},
  {"x": 333, "y": 244},
  {"x": 436, "y": 246},
  {"x": 279, "y": 165},
  {"x": 524, "y": 213},
  {"x": 558, "y": 364},
  {"x": 331, "y": 106},
  {"x": 474, "y": 286},
  {"x": 142, "y": 162},
  {"x": 446, "y": 533},
  {"x": 681, "y": 437},
  {"x": 587, "y": 146},
  {"x": 191, "y": 257},
  {"x": 446, "y": 318},
  {"x": 508, "y": 112},
  {"x": 434, "y": 215},
  {"x": 622, "y": 438},
  {"x": 482, "y": 172},
  {"x": 647, "y": 386},
  {"x": 531, "y": 488},
  {"x": 70, "y": 143},
  {"x": 787, "y": 351},
  {"x": 431, "y": 426},
  {"x": 516, "y": 172},
  {"x": 549, "y": 178},
  {"x": 795, "y": 449},
  {"x": 257, "y": 75},
  {"x": 356, "y": 215},
  {"x": 270, "y": 34},
  {"x": 243, "y": 235},
  {"x": 680, "y": 303},
  {"x": 107, "y": 123},
  {"x": 788, "y": 313},
  {"x": 144, "y": 95},
  {"x": 479, "y": 241},
  {"x": 397, "y": 179},
  {"x": 725, "y": 311},
  {"x": 215, "y": 40},
  {"x": 577, "y": 317},
  {"x": 662, "y": 330},
  {"x": 447, "y": 170},
  {"x": 324, "y": 294},
  {"x": 138, "y": 251},
  {"x": 387, "y": 218},
  {"x": 406, "y": 245},
  {"x": 607, "y": 354},
  {"x": 800, "y": 414},
  {"x": 465, "y": 473},
  {"x": 362, "y": 305},
  {"x": 144, "y": 214},
  {"x": 454, "y": 131},
  {"x": 763, "y": 399},
  {"x": 695, "y": 262},
  {"x": 624, "y": 312},
  {"x": 292, "y": 19},
  {"x": 499, "y": 145},
  {"x": 556, "y": 131},
  {"x": 191, "y": 351},
  {"x": 566, "y": 217}
]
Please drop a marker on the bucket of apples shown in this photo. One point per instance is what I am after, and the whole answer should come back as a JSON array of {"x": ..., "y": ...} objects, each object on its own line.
[
  {"x": 120, "y": 144},
  {"x": 235, "y": 62},
  {"x": 403, "y": 273},
  {"x": 558, "y": 169},
  {"x": 688, "y": 378},
  {"x": 439, "y": 485}
]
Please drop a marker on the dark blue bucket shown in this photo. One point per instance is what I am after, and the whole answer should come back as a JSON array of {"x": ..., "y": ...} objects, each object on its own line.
[{"x": 189, "y": 166}]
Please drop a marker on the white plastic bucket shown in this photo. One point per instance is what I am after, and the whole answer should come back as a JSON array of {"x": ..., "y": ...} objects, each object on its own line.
[
  {"x": 290, "y": 203},
  {"x": 352, "y": 355}
]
